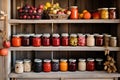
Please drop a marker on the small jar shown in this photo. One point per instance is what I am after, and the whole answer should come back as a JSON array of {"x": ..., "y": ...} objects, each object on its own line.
[
  {"x": 72, "y": 65},
  {"x": 31, "y": 37},
  {"x": 56, "y": 39},
  {"x": 63, "y": 65},
  {"x": 99, "y": 40},
  {"x": 99, "y": 64},
  {"x": 82, "y": 65},
  {"x": 36, "y": 40},
  {"x": 37, "y": 65},
  {"x": 107, "y": 40},
  {"x": 19, "y": 66},
  {"x": 90, "y": 40},
  {"x": 16, "y": 41},
  {"x": 90, "y": 66},
  {"x": 64, "y": 39},
  {"x": 25, "y": 40},
  {"x": 47, "y": 65},
  {"x": 73, "y": 40},
  {"x": 46, "y": 39},
  {"x": 81, "y": 40},
  {"x": 113, "y": 41},
  {"x": 55, "y": 65},
  {"x": 27, "y": 65},
  {"x": 74, "y": 12},
  {"x": 104, "y": 13},
  {"x": 112, "y": 13}
]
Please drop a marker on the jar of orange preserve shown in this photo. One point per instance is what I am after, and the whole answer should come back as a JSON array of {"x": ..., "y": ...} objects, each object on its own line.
[
  {"x": 63, "y": 65},
  {"x": 74, "y": 12},
  {"x": 16, "y": 41}
]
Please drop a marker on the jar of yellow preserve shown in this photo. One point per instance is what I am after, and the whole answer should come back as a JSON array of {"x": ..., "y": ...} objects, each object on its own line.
[{"x": 104, "y": 13}]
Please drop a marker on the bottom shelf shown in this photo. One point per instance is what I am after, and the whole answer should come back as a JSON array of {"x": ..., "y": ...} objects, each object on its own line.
[{"x": 77, "y": 74}]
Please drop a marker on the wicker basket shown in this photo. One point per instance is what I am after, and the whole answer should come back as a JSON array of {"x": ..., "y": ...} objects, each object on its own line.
[{"x": 58, "y": 16}]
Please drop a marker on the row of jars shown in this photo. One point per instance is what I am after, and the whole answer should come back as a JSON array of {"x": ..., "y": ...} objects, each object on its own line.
[
  {"x": 63, "y": 40},
  {"x": 55, "y": 65}
]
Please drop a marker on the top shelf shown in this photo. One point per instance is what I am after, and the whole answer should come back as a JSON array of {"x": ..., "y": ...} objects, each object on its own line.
[{"x": 18, "y": 21}]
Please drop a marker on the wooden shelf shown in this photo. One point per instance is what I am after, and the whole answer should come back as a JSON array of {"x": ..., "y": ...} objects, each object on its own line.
[
  {"x": 18, "y": 21},
  {"x": 62, "y": 48}
]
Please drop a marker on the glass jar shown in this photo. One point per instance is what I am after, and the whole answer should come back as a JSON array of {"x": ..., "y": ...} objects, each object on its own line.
[
  {"x": 56, "y": 39},
  {"x": 72, "y": 65},
  {"x": 31, "y": 37},
  {"x": 73, "y": 40},
  {"x": 99, "y": 64},
  {"x": 16, "y": 41},
  {"x": 19, "y": 66},
  {"x": 82, "y": 65},
  {"x": 46, "y": 39},
  {"x": 90, "y": 40},
  {"x": 81, "y": 40},
  {"x": 55, "y": 65},
  {"x": 113, "y": 41},
  {"x": 90, "y": 66},
  {"x": 63, "y": 65},
  {"x": 107, "y": 40},
  {"x": 37, "y": 65},
  {"x": 104, "y": 13},
  {"x": 99, "y": 11},
  {"x": 99, "y": 40},
  {"x": 25, "y": 40},
  {"x": 112, "y": 13},
  {"x": 36, "y": 40},
  {"x": 27, "y": 65},
  {"x": 64, "y": 40},
  {"x": 47, "y": 65},
  {"x": 74, "y": 12}
]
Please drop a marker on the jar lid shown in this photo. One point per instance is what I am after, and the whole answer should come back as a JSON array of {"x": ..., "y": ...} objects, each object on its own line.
[
  {"x": 104, "y": 8},
  {"x": 99, "y": 59},
  {"x": 112, "y": 8},
  {"x": 55, "y": 35},
  {"x": 37, "y": 60},
  {"x": 73, "y": 35},
  {"x": 64, "y": 35},
  {"x": 46, "y": 35},
  {"x": 99, "y": 35},
  {"x": 27, "y": 60},
  {"x": 63, "y": 60},
  {"x": 19, "y": 61},
  {"x": 31, "y": 34},
  {"x": 90, "y": 59},
  {"x": 108, "y": 35},
  {"x": 99, "y": 9},
  {"x": 16, "y": 35},
  {"x": 96, "y": 34},
  {"x": 79, "y": 34},
  {"x": 90, "y": 35},
  {"x": 55, "y": 60},
  {"x": 38, "y": 35},
  {"x": 26, "y": 35},
  {"x": 74, "y": 7},
  {"x": 47, "y": 60},
  {"x": 87, "y": 34},
  {"x": 72, "y": 60},
  {"x": 113, "y": 37},
  {"x": 82, "y": 59}
]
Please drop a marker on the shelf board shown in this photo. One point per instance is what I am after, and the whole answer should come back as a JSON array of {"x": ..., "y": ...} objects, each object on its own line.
[
  {"x": 18, "y": 21},
  {"x": 77, "y": 74},
  {"x": 62, "y": 48}
]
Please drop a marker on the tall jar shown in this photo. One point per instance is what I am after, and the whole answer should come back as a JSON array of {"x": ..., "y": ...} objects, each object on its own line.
[
  {"x": 90, "y": 40},
  {"x": 63, "y": 65},
  {"x": 16, "y": 41},
  {"x": 81, "y": 40},
  {"x": 56, "y": 39},
  {"x": 55, "y": 65},
  {"x": 65, "y": 39},
  {"x": 25, "y": 40},
  {"x": 47, "y": 65},
  {"x": 46, "y": 39},
  {"x": 37, "y": 65},
  {"x": 73, "y": 40},
  {"x": 107, "y": 40},
  {"x": 112, "y": 13},
  {"x": 113, "y": 41},
  {"x": 99, "y": 40},
  {"x": 72, "y": 65},
  {"x": 27, "y": 65},
  {"x": 82, "y": 65},
  {"x": 90, "y": 66},
  {"x": 36, "y": 40},
  {"x": 74, "y": 12},
  {"x": 19, "y": 66},
  {"x": 104, "y": 13},
  {"x": 99, "y": 64}
]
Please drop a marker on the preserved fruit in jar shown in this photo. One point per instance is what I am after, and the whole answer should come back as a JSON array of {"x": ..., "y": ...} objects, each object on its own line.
[
  {"x": 81, "y": 40},
  {"x": 64, "y": 39},
  {"x": 63, "y": 65},
  {"x": 72, "y": 65},
  {"x": 104, "y": 13},
  {"x": 56, "y": 39},
  {"x": 74, "y": 12},
  {"x": 55, "y": 65},
  {"x": 82, "y": 65},
  {"x": 73, "y": 40},
  {"x": 19, "y": 66},
  {"x": 47, "y": 65},
  {"x": 113, "y": 41},
  {"x": 99, "y": 64},
  {"x": 16, "y": 41},
  {"x": 112, "y": 13},
  {"x": 90, "y": 40},
  {"x": 90, "y": 66},
  {"x": 99, "y": 40},
  {"x": 25, "y": 40},
  {"x": 27, "y": 65},
  {"x": 36, "y": 40},
  {"x": 37, "y": 65},
  {"x": 46, "y": 39}
]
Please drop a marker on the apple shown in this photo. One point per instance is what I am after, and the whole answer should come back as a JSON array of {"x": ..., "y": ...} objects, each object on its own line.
[
  {"x": 20, "y": 10},
  {"x": 96, "y": 15},
  {"x": 25, "y": 16},
  {"x": 4, "y": 52},
  {"x": 41, "y": 6},
  {"x": 6, "y": 44},
  {"x": 34, "y": 11},
  {"x": 68, "y": 12},
  {"x": 39, "y": 10},
  {"x": 59, "y": 12},
  {"x": 38, "y": 16},
  {"x": 30, "y": 11},
  {"x": 33, "y": 17},
  {"x": 26, "y": 10},
  {"x": 28, "y": 17}
]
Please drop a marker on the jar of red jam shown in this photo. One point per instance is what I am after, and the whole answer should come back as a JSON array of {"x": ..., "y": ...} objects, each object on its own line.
[
  {"x": 46, "y": 39},
  {"x": 99, "y": 40},
  {"x": 74, "y": 12},
  {"x": 65, "y": 39},
  {"x": 72, "y": 65},
  {"x": 47, "y": 65},
  {"x": 36, "y": 40},
  {"x": 81, "y": 40},
  {"x": 56, "y": 39},
  {"x": 16, "y": 41},
  {"x": 25, "y": 40},
  {"x": 31, "y": 36},
  {"x": 112, "y": 13},
  {"x": 90, "y": 66}
]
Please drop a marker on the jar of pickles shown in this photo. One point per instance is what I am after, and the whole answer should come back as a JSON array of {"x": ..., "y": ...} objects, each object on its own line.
[
  {"x": 113, "y": 41},
  {"x": 36, "y": 40},
  {"x": 73, "y": 40},
  {"x": 72, "y": 65},
  {"x": 37, "y": 65},
  {"x": 104, "y": 13},
  {"x": 46, "y": 39},
  {"x": 16, "y": 41},
  {"x": 19, "y": 66},
  {"x": 90, "y": 66},
  {"x": 82, "y": 65},
  {"x": 63, "y": 65},
  {"x": 81, "y": 40},
  {"x": 55, "y": 65},
  {"x": 64, "y": 39},
  {"x": 99, "y": 64},
  {"x": 99, "y": 40},
  {"x": 112, "y": 13},
  {"x": 25, "y": 40},
  {"x": 47, "y": 65},
  {"x": 27, "y": 65},
  {"x": 56, "y": 39},
  {"x": 90, "y": 40},
  {"x": 74, "y": 12}
]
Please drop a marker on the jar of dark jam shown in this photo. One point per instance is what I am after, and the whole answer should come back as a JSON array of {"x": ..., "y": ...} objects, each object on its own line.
[
  {"x": 99, "y": 40},
  {"x": 55, "y": 65},
  {"x": 37, "y": 65},
  {"x": 90, "y": 66},
  {"x": 56, "y": 39},
  {"x": 31, "y": 36},
  {"x": 25, "y": 40},
  {"x": 46, "y": 39},
  {"x": 65, "y": 39},
  {"x": 112, "y": 13},
  {"x": 81, "y": 40},
  {"x": 72, "y": 65},
  {"x": 47, "y": 65},
  {"x": 36, "y": 40},
  {"x": 99, "y": 64}
]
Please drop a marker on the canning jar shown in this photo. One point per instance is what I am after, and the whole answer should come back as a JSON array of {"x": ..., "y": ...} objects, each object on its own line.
[
  {"x": 27, "y": 65},
  {"x": 36, "y": 40},
  {"x": 104, "y": 13},
  {"x": 74, "y": 12},
  {"x": 112, "y": 13},
  {"x": 47, "y": 65},
  {"x": 113, "y": 41},
  {"x": 63, "y": 65},
  {"x": 82, "y": 65},
  {"x": 81, "y": 40},
  {"x": 107, "y": 40},
  {"x": 16, "y": 41},
  {"x": 99, "y": 64},
  {"x": 90, "y": 66},
  {"x": 64, "y": 39},
  {"x": 25, "y": 40},
  {"x": 37, "y": 65},
  {"x": 19, "y": 66},
  {"x": 99, "y": 11},
  {"x": 31, "y": 37},
  {"x": 46, "y": 39},
  {"x": 90, "y": 40},
  {"x": 56, "y": 39},
  {"x": 73, "y": 40},
  {"x": 99, "y": 40},
  {"x": 55, "y": 65},
  {"x": 72, "y": 65}
]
